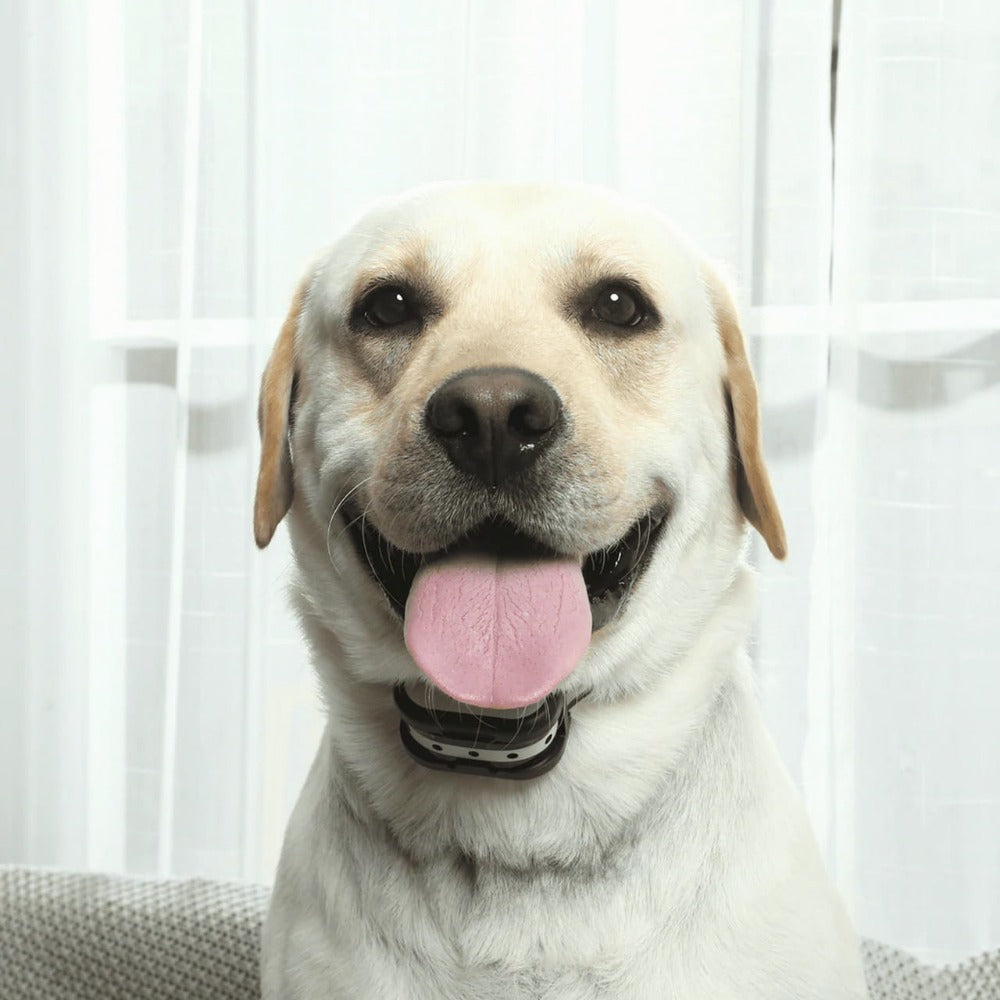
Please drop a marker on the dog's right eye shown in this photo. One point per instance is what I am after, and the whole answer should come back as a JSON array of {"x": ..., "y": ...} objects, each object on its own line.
[
  {"x": 618, "y": 305},
  {"x": 390, "y": 305}
]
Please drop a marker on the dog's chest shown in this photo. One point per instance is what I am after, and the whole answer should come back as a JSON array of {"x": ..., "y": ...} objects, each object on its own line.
[
  {"x": 608, "y": 940},
  {"x": 461, "y": 929},
  {"x": 492, "y": 916}
]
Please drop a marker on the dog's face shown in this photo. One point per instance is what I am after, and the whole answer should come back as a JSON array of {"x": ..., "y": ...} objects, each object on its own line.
[{"x": 533, "y": 398}]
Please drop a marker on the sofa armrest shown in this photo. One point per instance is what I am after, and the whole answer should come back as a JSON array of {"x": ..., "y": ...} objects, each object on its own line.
[{"x": 69, "y": 936}]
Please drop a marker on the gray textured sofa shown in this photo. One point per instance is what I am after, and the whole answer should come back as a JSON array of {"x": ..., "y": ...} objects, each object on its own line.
[{"x": 67, "y": 936}]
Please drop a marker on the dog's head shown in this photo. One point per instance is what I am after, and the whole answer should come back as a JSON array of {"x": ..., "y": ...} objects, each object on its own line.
[{"x": 515, "y": 425}]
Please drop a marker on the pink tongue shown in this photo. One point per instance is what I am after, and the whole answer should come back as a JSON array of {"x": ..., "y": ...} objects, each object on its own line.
[{"x": 497, "y": 633}]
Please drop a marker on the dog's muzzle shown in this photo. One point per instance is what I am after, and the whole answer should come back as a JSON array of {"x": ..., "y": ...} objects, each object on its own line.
[{"x": 513, "y": 743}]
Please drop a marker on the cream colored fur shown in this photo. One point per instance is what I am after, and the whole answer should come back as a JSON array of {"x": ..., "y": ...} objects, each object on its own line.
[{"x": 667, "y": 854}]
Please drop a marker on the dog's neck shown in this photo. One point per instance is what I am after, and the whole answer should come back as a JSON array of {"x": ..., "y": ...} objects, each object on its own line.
[{"x": 621, "y": 752}]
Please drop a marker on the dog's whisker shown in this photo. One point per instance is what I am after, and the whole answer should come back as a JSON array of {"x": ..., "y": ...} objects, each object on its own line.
[
  {"x": 336, "y": 510},
  {"x": 364, "y": 541},
  {"x": 349, "y": 493},
  {"x": 642, "y": 553},
  {"x": 520, "y": 716},
  {"x": 385, "y": 546},
  {"x": 392, "y": 524},
  {"x": 329, "y": 548},
  {"x": 429, "y": 694},
  {"x": 347, "y": 526}
]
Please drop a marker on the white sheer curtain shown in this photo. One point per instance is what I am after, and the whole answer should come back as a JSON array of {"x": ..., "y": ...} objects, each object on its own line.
[
  {"x": 913, "y": 422},
  {"x": 170, "y": 167}
]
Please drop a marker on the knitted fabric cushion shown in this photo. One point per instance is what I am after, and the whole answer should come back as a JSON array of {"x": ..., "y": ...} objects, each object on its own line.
[
  {"x": 894, "y": 975},
  {"x": 66, "y": 936}
]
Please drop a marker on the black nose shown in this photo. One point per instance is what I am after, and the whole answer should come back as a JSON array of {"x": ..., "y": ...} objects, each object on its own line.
[{"x": 494, "y": 422}]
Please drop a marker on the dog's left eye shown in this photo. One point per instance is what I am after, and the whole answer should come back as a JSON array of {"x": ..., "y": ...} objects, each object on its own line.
[
  {"x": 618, "y": 305},
  {"x": 390, "y": 305}
]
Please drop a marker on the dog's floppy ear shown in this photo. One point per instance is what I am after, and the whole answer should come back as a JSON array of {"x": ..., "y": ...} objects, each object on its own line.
[
  {"x": 753, "y": 485},
  {"x": 274, "y": 411}
]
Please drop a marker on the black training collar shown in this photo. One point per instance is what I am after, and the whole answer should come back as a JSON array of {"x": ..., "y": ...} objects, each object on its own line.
[{"x": 511, "y": 744}]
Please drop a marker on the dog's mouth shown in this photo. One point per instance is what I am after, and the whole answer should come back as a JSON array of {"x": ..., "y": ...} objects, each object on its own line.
[
  {"x": 498, "y": 618},
  {"x": 609, "y": 574}
]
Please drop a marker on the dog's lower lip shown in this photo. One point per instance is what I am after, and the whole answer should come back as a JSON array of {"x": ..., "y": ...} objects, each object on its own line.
[{"x": 609, "y": 573}]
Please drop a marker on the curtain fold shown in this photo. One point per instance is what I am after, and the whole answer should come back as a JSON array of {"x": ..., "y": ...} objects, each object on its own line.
[
  {"x": 178, "y": 164},
  {"x": 46, "y": 501},
  {"x": 912, "y": 424}
]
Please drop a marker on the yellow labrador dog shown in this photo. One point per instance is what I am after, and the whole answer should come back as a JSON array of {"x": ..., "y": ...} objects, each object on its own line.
[{"x": 516, "y": 436}]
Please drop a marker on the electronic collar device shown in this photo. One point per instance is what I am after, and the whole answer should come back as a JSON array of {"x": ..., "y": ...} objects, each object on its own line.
[{"x": 499, "y": 743}]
